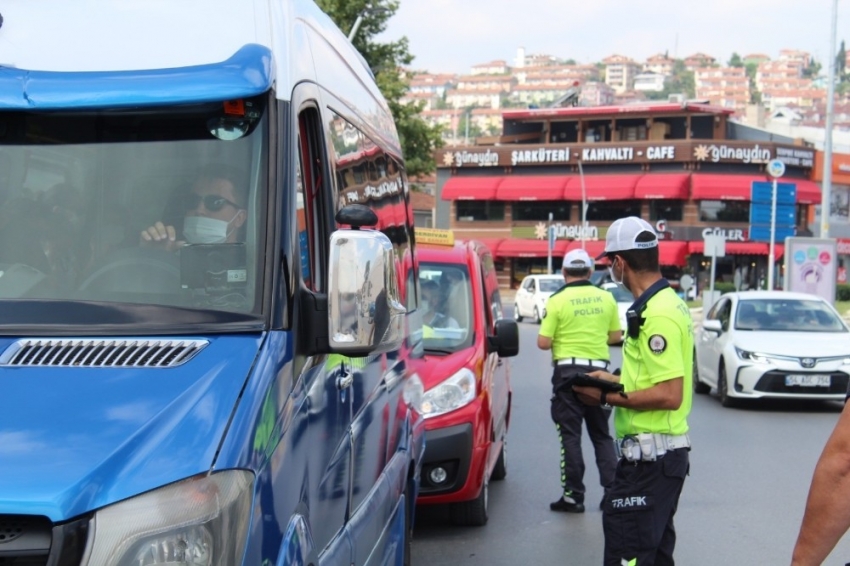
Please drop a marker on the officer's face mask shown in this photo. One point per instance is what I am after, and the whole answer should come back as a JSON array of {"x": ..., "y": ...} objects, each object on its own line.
[
  {"x": 205, "y": 230},
  {"x": 611, "y": 271}
]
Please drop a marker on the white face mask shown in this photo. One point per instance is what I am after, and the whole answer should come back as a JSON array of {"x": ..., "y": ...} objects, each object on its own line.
[
  {"x": 205, "y": 230},
  {"x": 611, "y": 273}
]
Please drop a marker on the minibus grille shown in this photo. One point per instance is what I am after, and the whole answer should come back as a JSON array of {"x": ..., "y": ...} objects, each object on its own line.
[
  {"x": 29, "y": 540},
  {"x": 76, "y": 352}
]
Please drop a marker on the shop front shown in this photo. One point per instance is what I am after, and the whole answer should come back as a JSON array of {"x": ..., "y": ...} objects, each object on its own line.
[
  {"x": 690, "y": 182},
  {"x": 839, "y": 219}
]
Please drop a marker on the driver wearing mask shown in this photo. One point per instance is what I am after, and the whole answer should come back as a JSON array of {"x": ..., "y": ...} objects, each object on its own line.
[{"x": 214, "y": 214}]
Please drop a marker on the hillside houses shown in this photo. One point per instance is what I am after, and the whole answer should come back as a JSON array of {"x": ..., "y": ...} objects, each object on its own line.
[{"x": 472, "y": 104}]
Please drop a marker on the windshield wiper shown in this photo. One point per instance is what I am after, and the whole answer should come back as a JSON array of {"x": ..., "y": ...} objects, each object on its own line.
[{"x": 439, "y": 351}]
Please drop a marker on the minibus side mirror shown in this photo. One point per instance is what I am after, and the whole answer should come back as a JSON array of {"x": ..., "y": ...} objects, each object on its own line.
[
  {"x": 505, "y": 341},
  {"x": 365, "y": 312}
]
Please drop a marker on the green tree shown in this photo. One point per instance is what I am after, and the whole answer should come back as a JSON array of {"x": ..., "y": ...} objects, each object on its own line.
[
  {"x": 680, "y": 81},
  {"x": 841, "y": 61},
  {"x": 418, "y": 138},
  {"x": 751, "y": 70},
  {"x": 735, "y": 61},
  {"x": 812, "y": 70}
]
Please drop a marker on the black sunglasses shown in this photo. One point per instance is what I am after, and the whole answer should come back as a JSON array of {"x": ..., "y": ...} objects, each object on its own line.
[{"x": 213, "y": 203}]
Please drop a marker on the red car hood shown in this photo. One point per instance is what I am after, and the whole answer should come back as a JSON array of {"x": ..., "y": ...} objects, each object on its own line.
[{"x": 436, "y": 368}]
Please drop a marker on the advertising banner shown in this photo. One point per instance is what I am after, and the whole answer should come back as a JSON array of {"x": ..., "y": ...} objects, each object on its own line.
[{"x": 811, "y": 266}]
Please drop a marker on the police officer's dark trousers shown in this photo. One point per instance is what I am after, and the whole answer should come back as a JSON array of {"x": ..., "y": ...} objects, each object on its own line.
[
  {"x": 638, "y": 511},
  {"x": 569, "y": 413}
]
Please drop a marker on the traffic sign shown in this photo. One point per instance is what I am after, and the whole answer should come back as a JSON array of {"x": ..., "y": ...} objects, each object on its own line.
[
  {"x": 714, "y": 246},
  {"x": 762, "y": 191},
  {"x": 785, "y": 214},
  {"x": 775, "y": 168},
  {"x": 761, "y": 233}
]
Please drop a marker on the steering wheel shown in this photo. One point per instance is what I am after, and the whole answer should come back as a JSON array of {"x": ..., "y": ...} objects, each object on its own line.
[
  {"x": 17, "y": 279},
  {"x": 136, "y": 270}
]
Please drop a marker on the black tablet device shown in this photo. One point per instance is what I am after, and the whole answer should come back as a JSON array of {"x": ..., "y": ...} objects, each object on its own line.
[{"x": 584, "y": 380}]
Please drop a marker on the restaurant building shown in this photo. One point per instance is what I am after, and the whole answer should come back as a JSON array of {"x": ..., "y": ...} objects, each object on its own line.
[
  {"x": 685, "y": 168},
  {"x": 839, "y": 220}
]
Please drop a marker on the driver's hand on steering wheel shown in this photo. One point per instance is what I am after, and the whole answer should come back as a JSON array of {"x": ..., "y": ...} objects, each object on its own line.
[{"x": 160, "y": 235}]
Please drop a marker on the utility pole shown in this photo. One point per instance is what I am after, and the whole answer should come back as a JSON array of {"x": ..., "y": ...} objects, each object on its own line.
[
  {"x": 583, "y": 231},
  {"x": 826, "y": 191}
]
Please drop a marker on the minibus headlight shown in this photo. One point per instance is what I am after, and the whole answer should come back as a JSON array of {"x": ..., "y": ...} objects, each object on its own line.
[
  {"x": 202, "y": 521},
  {"x": 453, "y": 393}
]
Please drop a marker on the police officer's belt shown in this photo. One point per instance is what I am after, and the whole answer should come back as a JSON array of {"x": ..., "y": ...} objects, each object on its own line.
[
  {"x": 582, "y": 362},
  {"x": 648, "y": 446}
]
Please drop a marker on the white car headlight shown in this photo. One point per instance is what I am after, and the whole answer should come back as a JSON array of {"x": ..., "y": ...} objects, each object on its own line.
[
  {"x": 453, "y": 393},
  {"x": 752, "y": 356},
  {"x": 202, "y": 521}
]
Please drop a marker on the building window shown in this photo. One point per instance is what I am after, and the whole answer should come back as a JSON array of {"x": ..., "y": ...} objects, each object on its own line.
[
  {"x": 471, "y": 210},
  {"x": 539, "y": 210},
  {"x": 724, "y": 211},
  {"x": 666, "y": 210},
  {"x": 612, "y": 209}
]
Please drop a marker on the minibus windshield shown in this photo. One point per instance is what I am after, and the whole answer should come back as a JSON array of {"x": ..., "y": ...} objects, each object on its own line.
[{"x": 152, "y": 210}]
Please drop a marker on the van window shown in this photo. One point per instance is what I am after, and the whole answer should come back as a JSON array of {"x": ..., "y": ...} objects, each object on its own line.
[
  {"x": 86, "y": 189},
  {"x": 446, "y": 306},
  {"x": 367, "y": 175},
  {"x": 312, "y": 166},
  {"x": 491, "y": 280}
]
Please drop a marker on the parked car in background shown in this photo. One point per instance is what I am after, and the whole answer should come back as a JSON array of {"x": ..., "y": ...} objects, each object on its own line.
[
  {"x": 758, "y": 344},
  {"x": 624, "y": 300},
  {"x": 467, "y": 399},
  {"x": 532, "y": 295}
]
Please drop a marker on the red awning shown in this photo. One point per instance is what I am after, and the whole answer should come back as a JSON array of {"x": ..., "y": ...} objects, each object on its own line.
[
  {"x": 672, "y": 252},
  {"x": 734, "y": 248},
  {"x": 592, "y": 247},
  {"x": 470, "y": 188},
  {"x": 663, "y": 186},
  {"x": 602, "y": 187},
  {"x": 491, "y": 243},
  {"x": 706, "y": 186},
  {"x": 532, "y": 187},
  {"x": 513, "y": 247},
  {"x": 808, "y": 192}
]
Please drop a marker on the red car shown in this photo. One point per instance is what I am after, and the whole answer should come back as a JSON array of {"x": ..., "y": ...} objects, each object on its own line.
[{"x": 467, "y": 398}]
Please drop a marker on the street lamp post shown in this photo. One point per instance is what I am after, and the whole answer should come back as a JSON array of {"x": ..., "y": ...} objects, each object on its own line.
[
  {"x": 367, "y": 9},
  {"x": 826, "y": 192},
  {"x": 356, "y": 25}
]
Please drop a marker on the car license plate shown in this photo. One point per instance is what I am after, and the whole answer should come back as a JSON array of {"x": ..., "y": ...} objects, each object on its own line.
[{"x": 807, "y": 380}]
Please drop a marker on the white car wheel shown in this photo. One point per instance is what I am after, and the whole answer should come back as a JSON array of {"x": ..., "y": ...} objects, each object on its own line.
[
  {"x": 517, "y": 316},
  {"x": 723, "y": 387},
  {"x": 700, "y": 388}
]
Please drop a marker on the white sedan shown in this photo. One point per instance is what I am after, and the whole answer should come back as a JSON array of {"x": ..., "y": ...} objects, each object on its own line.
[
  {"x": 624, "y": 299},
  {"x": 759, "y": 344},
  {"x": 532, "y": 295}
]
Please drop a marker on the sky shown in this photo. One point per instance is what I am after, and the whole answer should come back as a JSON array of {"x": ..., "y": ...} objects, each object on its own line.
[{"x": 453, "y": 35}]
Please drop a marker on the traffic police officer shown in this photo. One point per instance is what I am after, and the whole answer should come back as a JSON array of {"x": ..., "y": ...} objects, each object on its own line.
[
  {"x": 650, "y": 416},
  {"x": 579, "y": 323}
]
